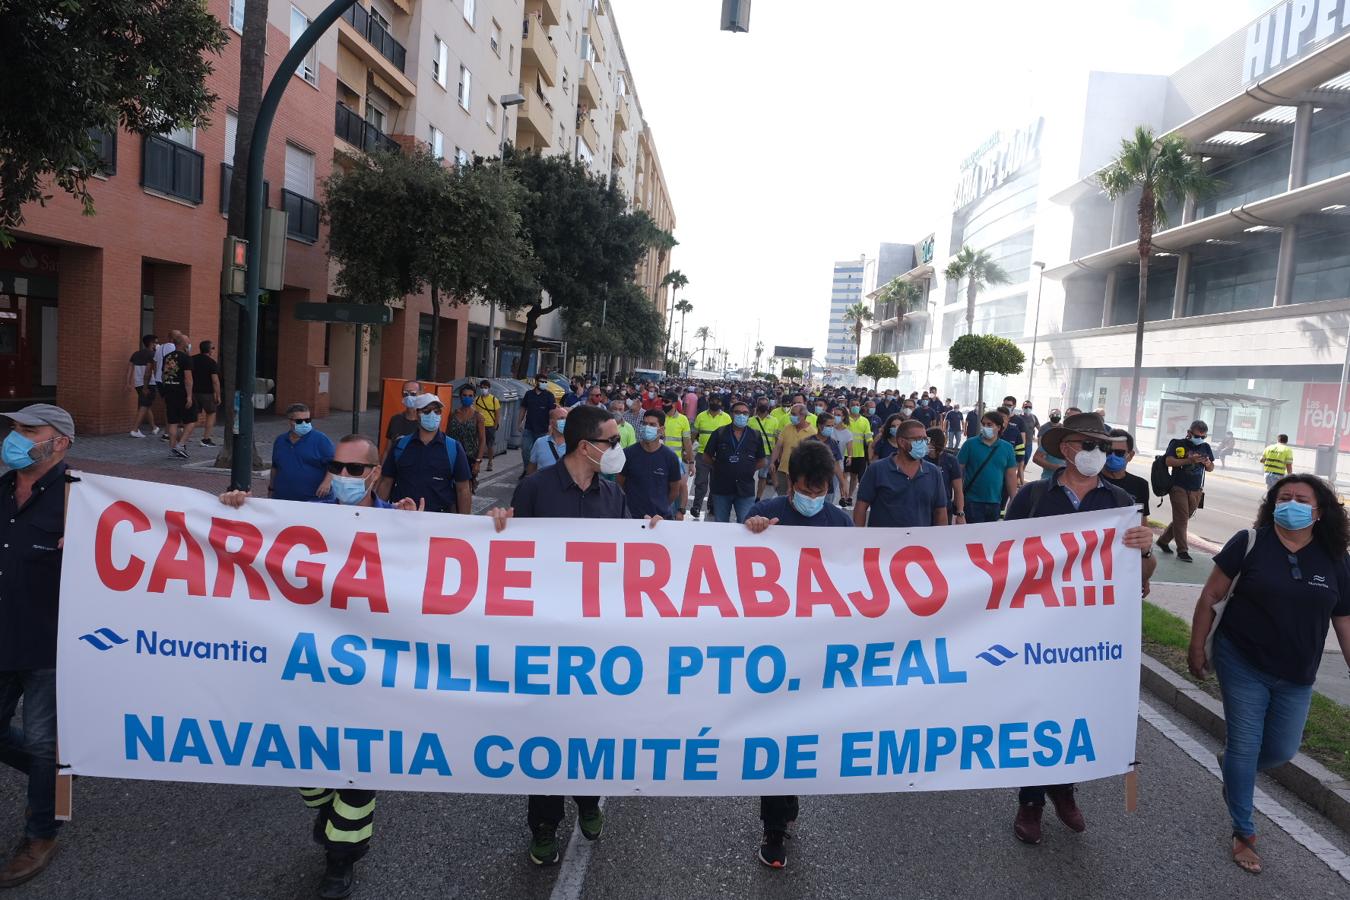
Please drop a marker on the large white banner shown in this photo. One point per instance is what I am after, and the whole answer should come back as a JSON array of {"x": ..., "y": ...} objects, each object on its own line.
[{"x": 307, "y": 644}]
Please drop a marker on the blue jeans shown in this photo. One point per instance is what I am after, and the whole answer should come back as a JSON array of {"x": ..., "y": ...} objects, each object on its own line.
[
  {"x": 981, "y": 512},
  {"x": 32, "y": 749},
  {"x": 954, "y": 439},
  {"x": 1265, "y": 717},
  {"x": 527, "y": 439},
  {"x": 723, "y": 504}
]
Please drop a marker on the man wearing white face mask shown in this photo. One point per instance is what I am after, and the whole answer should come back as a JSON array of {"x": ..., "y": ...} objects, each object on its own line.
[{"x": 1083, "y": 442}]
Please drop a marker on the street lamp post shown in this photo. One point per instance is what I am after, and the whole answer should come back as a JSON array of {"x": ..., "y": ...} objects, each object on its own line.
[
  {"x": 507, "y": 101},
  {"x": 1036, "y": 327}
]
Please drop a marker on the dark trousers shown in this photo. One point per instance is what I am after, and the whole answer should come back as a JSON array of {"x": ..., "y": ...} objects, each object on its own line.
[
  {"x": 982, "y": 512},
  {"x": 32, "y": 749},
  {"x": 547, "y": 809},
  {"x": 346, "y": 820},
  {"x": 1036, "y": 794},
  {"x": 778, "y": 812}
]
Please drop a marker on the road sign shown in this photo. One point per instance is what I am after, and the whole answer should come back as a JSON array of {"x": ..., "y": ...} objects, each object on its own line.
[{"x": 346, "y": 313}]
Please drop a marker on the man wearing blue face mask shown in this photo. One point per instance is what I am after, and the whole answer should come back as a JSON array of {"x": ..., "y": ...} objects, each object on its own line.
[
  {"x": 430, "y": 467},
  {"x": 651, "y": 477},
  {"x": 813, "y": 470},
  {"x": 734, "y": 454},
  {"x": 905, "y": 491},
  {"x": 1188, "y": 459},
  {"x": 300, "y": 458},
  {"x": 32, "y": 522}
]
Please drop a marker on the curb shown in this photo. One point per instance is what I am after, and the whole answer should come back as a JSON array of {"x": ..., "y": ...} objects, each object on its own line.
[{"x": 1308, "y": 779}]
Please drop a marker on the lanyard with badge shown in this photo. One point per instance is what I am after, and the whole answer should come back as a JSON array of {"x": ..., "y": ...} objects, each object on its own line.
[{"x": 734, "y": 457}]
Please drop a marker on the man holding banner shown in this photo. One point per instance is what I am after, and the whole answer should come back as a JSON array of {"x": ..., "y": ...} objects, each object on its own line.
[
  {"x": 345, "y": 818},
  {"x": 1083, "y": 442}
]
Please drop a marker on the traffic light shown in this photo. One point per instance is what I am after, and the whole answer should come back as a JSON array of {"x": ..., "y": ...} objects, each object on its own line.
[
  {"x": 735, "y": 15},
  {"x": 235, "y": 265}
]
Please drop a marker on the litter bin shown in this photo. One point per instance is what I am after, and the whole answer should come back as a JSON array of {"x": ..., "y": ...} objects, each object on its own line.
[
  {"x": 511, "y": 426},
  {"x": 1325, "y": 464},
  {"x": 507, "y": 392}
]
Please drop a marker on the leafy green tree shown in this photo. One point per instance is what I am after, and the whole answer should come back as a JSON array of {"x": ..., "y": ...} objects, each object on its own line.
[
  {"x": 766, "y": 376},
  {"x": 632, "y": 326},
  {"x": 985, "y": 353},
  {"x": 791, "y": 373},
  {"x": 1164, "y": 170},
  {"x": 979, "y": 270},
  {"x": 876, "y": 367},
  {"x": 69, "y": 66},
  {"x": 859, "y": 314}
]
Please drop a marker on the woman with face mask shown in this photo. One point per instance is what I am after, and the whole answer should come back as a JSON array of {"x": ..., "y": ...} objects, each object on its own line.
[
  {"x": 466, "y": 425},
  {"x": 1287, "y": 580},
  {"x": 888, "y": 438}
]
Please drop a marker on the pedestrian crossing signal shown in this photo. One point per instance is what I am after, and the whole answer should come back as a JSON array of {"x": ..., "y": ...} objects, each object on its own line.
[{"x": 236, "y": 265}]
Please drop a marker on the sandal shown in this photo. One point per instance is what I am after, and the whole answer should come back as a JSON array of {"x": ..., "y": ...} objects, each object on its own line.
[{"x": 1244, "y": 854}]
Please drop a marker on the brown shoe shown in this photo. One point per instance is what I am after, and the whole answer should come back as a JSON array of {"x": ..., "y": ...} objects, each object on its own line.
[
  {"x": 1066, "y": 808},
  {"x": 29, "y": 859},
  {"x": 1027, "y": 825}
]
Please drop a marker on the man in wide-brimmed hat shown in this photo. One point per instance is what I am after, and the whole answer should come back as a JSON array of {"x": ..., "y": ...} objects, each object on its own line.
[{"x": 1083, "y": 441}]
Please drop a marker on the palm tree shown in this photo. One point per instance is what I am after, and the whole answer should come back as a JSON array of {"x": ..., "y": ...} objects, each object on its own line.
[
  {"x": 703, "y": 332},
  {"x": 905, "y": 297},
  {"x": 675, "y": 279},
  {"x": 1165, "y": 172},
  {"x": 759, "y": 351},
  {"x": 859, "y": 314},
  {"x": 685, "y": 308},
  {"x": 980, "y": 271}
]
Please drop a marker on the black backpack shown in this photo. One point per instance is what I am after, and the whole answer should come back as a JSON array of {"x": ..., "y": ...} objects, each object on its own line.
[{"x": 1160, "y": 478}]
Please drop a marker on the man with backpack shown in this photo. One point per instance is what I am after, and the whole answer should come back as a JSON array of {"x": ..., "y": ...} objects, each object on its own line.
[
  {"x": 1084, "y": 443},
  {"x": 1187, "y": 460},
  {"x": 429, "y": 467}
]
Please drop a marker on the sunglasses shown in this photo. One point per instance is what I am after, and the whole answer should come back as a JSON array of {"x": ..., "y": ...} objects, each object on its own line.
[
  {"x": 1089, "y": 445},
  {"x": 357, "y": 469},
  {"x": 410, "y": 393},
  {"x": 612, "y": 442},
  {"x": 1121, "y": 453},
  {"x": 301, "y": 421}
]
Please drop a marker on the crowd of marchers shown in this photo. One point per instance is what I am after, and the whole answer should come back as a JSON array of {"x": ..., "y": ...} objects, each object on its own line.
[{"x": 764, "y": 455}]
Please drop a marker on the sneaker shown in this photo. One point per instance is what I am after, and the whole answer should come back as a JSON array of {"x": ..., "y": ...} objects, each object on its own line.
[
  {"x": 1162, "y": 545},
  {"x": 773, "y": 851},
  {"x": 544, "y": 845},
  {"x": 1067, "y": 809},
  {"x": 136, "y": 432},
  {"x": 339, "y": 878},
  {"x": 164, "y": 436},
  {"x": 180, "y": 453},
  {"x": 29, "y": 859},
  {"x": 591, "y": 822},
  {"x": 207, "y": 442},
  {"x": 1027, "y": 825},
  {"x": 1184, "y": 556}
]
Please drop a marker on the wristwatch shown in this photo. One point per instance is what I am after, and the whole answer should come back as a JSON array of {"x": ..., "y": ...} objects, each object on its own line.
[
  {"x": 1147, "y": 554},
  {"x": 960, "y": 514}
]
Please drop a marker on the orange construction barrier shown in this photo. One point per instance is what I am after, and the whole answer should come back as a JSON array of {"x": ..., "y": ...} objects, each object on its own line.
[{"x": 391, "y": 404}]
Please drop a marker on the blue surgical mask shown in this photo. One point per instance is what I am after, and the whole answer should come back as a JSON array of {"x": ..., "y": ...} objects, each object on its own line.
[
  {"x": 819, "y": 410},
  {"x": 349, "y": 491},
  {"x": 827, "y": 432},
  {"x": 1293, "y": 515},
  {"x": 895, "y": 429},
  {"x": 807, "y": 506},
  {"x": 15, "y": 451},
  {"x": 561, "y": 425},
  {"x": 740, "y": 420},
  {"x": 918, "y": 449},
  {"x": 648, "y": 432},
  {"x": 1115, "y": 463},
  {"x": 429, "y": 421},
  {"x": 408, "y": 400},
  {"x": 987, "y": 432},
  {"x": 303, "y": 428},
  {"x": 1197, "y": 441},
  {"x": 854, "y": 410},
  {"x": 796, "y": 420},
  {"x": 466, "y": 402}
]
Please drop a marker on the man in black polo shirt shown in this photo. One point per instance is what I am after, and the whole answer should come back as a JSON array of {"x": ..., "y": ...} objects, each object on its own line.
[
  {"x": 1083, "y": 442},
  {"x": 534, "y": 410},
  {"x": 1188, "y": 459},
  {"x": 429, "y": 466},
  {"x": 735, "y": 454},
  {"x": 32, "y": 526},
  {"x": 1121, "y": 453},
  {"x": 572, "y": 489}
]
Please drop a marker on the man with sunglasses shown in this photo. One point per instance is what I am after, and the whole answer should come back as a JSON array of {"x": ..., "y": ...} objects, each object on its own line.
[
  {"x": 345, "y": 817},
  {"x": 300, "y": 458},
  {"x": 572, "y": 489},
  {"x": 1084, "y": 443},
  {"x": 404, "y": 422},
  {"x": 430, "y": 467}
]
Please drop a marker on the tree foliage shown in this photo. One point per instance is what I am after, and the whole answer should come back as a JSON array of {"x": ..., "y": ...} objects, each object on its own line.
[
  {"x": 876, "y": 367},
  {"x": 859, "y": 314},
  {"x": 792, "y": 373},
  {"x": 979, "y": 270},
  {"x": 68, "y": 66},
  {"x": 984, "y": 353}
]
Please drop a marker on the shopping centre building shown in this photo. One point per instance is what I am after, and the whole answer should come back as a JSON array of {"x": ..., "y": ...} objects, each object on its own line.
[{"x": 1249, "y": 289}]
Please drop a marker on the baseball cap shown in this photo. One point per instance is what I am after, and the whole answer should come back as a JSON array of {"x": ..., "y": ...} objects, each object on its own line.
[
  {"x": 45, "y": 414},
  {"x": 422, "y": 401}
]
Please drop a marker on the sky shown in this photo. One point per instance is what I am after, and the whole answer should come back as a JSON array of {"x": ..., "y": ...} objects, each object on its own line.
[{"x": 835, "y": 125}]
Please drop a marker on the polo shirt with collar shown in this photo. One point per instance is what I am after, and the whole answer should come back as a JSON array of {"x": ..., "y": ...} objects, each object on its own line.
[
  {"x": 300, "y": 464},
  {"x": 423, "y": 472},
  {"x": 552, "y": 494},
  {"x": 897, "y": 500},
  {"x": 1052, "y": 498},
  {"x": 30, "y": 570}
]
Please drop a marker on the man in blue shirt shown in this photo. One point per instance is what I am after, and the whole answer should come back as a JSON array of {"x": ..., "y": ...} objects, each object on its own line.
[
  {"x": 953, "y": 418},
  {"x": 550, "y": 449},
  {"x": 989, "y": 467},
  {"x": 651, "y": 471},
  {"x": 812, "y": 466},
  {"x": 300, "y": 458},
  {"x": 534, "y": 408},
  {"x": 345, "y": 817},
  {"x": 1188, "y": 459},
  {"x": 430, "y": 467},
  {"x": 905, "y": 491},
  {"x": 735, "y": 454}
]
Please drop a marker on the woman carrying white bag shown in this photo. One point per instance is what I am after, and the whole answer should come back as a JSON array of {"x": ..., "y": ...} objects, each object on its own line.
[{"x": 1284, "y": 582}]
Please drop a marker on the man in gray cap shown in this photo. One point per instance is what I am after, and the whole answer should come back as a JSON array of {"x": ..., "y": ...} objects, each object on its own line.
[{"x": 32, "y": 522}]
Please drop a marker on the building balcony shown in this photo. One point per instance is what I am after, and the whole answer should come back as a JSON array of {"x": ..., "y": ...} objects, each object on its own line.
[
  {"x": 620, "y": 154},
  {"x": 372, "y": 43},
  {"x": 549, "y": 10},
  {"x": 534, "y": 123},
  {"x": 362, "y": 135},
  {"x": 302, "y": 216},
  {"x": 586, "y": 131},
  {"x": 589, "y": 90},
  {"x": 538, "y": 51},
  {"x": 623, "y": 114},
  {"x": 593, "y": 29}
]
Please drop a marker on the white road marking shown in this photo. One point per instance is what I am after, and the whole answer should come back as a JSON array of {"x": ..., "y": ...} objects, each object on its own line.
[
  {"x": 572, "y": 875},
  {"x": 1292, "y": 825}
]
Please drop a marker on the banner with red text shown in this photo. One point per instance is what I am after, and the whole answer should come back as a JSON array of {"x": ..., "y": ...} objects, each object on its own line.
[{"x": 309, "y": 644}]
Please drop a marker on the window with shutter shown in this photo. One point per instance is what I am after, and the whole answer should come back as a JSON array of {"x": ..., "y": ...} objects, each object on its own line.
[
  {"x": 465, "y": 87},
  {"x": 237, "y": 15},
  {"x": 231, "y": 135},
  {"x": 299, "y": 171},
  {"x": 440, "y": 62}
]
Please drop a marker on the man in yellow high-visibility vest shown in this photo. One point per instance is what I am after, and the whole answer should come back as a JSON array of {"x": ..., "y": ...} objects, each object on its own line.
[{"x": 1277, "y": 460}]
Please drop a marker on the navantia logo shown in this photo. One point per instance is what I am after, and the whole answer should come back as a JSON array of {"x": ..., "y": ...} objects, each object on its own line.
[{"x": 103, "y": 639}]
